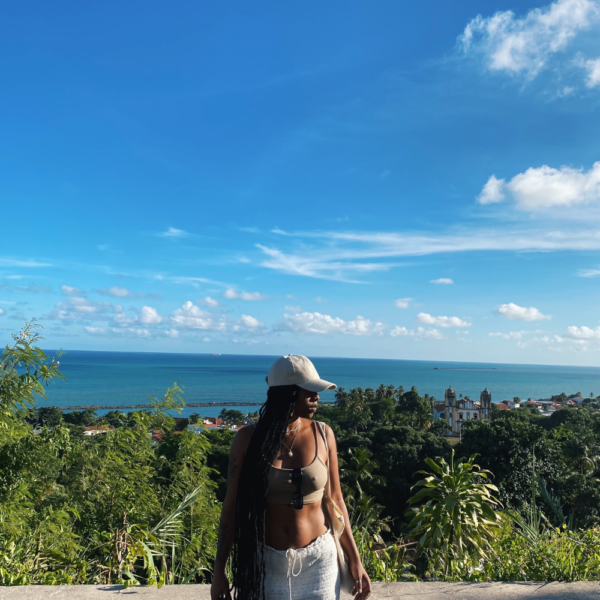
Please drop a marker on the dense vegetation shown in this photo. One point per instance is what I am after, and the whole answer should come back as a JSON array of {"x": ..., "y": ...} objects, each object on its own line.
[{"x": 139, "y": 503}]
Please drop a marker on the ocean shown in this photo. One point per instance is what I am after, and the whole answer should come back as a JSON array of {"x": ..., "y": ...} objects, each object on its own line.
[{"x": 116, "y": 378}]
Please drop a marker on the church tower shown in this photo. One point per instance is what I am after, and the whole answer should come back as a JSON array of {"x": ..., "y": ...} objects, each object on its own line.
[
  {"x": 486, "y": 404},
  {"x": 450, "y": 407}
]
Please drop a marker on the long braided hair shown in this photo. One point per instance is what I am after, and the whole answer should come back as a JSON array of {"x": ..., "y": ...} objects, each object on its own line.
[{"x": 248, "y": 564}]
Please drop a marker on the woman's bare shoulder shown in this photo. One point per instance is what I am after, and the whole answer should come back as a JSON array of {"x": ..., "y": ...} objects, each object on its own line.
[{"x": 242, "y": 438}]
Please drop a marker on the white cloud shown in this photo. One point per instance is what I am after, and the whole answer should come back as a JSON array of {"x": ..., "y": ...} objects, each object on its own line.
[
  {"x": 583, "y": 333},
  {"x": 513, "y": 312},
  {"x": 293, "y": 309},
  {"x": 420, "y": 333},
  {"x": 525, "y": 45},
  {"x": 592, "y": 66},
  {"x": 428, "y": 319},
  {"x": 233, "y": 294},
  {"x": 119, "y": 292},
  {"x": 547, "y": 187},
  {"x": 67, "y": 290},
  {"x": 114, "y": 332},
  {"x": 172, "y": 333},
  {"x": 403, "y": 302},
  {"x": 515, "y": 335},
  {"x": 250, "y": 322},
  {"x": 174, "y": 233},
  {"x": 307, "y": 322},
  {"x": 492, "y": 191},
  {"x": 95, "y": 330},
  {"x": 206, "y": 339},
  {"x": 442, "y": 281},
  {"x": 115, "y": 292},
  {"x": 190, "y": 316},
  {"x": 1, "y": 311},
  {"x": 76, "y": 308},
  {"x": 149, "y": 316},
  {"x": 208, "y": 301}
]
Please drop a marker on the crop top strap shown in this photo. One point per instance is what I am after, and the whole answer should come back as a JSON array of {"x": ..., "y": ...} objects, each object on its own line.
[{"x": 321, "y": 426}]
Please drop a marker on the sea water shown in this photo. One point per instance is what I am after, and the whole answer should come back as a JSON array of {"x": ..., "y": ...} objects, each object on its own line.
[{"x": 116, "y": 378}]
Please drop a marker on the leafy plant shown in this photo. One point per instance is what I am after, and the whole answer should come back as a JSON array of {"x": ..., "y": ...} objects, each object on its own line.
[{"x": 459, "y": 518}]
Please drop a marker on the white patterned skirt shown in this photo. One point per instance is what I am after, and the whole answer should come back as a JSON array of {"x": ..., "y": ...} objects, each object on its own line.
[{"x": 309, "y": 573}]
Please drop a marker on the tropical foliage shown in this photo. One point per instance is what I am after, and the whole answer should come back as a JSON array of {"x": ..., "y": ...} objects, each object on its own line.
[
  {"x": 458, "y": 518},
  {"x": 140, "y": 501}
]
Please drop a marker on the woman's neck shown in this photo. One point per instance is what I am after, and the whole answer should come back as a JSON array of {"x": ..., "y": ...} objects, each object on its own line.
[{"x": 293, "y": 424}]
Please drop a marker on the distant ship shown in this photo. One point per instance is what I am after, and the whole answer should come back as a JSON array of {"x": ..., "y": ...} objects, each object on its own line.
[{"x": 216, "y": 354}]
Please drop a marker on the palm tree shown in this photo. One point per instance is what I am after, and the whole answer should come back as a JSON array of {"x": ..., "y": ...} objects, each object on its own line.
[
  {"x": 459, "y": 517},
  {"x": 342, "y": 398},
  {"x": 361, "y": 467},
  {"x": 584, "y": 452}
]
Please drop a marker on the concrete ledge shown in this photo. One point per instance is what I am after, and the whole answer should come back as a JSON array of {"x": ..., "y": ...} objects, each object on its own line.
[{"x": 397, "y": 591}]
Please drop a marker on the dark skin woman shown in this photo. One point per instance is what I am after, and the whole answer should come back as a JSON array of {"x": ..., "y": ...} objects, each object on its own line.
[{"x": 285, "y": 526}]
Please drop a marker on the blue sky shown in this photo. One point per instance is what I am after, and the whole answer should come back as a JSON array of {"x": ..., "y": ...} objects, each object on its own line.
[{"x": 395, "y": 180}]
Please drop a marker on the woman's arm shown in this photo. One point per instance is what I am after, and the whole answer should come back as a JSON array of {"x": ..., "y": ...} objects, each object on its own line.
[
  {"x": 220, "y": 585},
  {"x": 363, "y": 589}
]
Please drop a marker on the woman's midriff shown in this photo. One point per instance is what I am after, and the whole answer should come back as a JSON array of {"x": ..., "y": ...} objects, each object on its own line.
[{"x": 289, "y": 527}]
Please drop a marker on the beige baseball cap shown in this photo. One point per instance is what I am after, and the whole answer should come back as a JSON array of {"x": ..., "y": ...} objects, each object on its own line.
[{"x": 295, "y": 369}]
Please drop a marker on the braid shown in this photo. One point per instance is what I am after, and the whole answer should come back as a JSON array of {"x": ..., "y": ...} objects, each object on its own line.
[{"x": 248, "y": 564}]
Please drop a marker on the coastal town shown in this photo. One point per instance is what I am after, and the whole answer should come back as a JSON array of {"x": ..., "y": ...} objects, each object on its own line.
[{"x": 455, "y": 411}]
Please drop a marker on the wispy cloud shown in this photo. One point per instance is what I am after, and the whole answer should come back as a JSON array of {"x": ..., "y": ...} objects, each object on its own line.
[
  {"x": 442, "y": 281},
  {"x": 343, "y": 255},
  {"x": 589, "y": 273},
  {"x": 315, "y": 266},
  {"x": 14, "y": 262},
  {"x": 120, "y": 292},
  {"x": 195, "y": 281},
  {"x": 32, "y": 288},
  {"x": 514, "y": 335},
  {"x": 172, "y": 232}
]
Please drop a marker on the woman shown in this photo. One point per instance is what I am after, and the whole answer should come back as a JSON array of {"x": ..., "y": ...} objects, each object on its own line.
[{"x": 272, "y": 515}]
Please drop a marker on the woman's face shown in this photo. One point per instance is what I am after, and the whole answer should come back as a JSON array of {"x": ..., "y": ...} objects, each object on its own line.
[{"x": 306, "y": 405}]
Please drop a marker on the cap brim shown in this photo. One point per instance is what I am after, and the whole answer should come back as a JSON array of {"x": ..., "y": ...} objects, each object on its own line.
[{"x": 317, "y": 385}]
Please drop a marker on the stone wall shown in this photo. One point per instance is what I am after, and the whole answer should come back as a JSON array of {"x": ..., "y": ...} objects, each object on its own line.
[{"x": 390, "y": 591}]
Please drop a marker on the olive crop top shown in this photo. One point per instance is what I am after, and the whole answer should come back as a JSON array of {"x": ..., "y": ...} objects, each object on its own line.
[{"x": 314, "y": 478}]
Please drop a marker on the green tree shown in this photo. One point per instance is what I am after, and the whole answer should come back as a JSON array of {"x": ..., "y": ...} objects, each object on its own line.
[
  {"x": 459, "y": 517},
  {"x": 48, "y": 416},
  {"x": 232, "y": 417}
]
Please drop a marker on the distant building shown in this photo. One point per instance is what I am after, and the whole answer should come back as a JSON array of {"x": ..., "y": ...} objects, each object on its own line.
[
  {"x": 212, "y": 421},
  {"x": 511, "y": 404},
  {"x": 535, "y": 404},
  {"x": 457, "y": 412},
  {"x": 93, "y": 430},
  {"x": 439, "y": 410}
]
